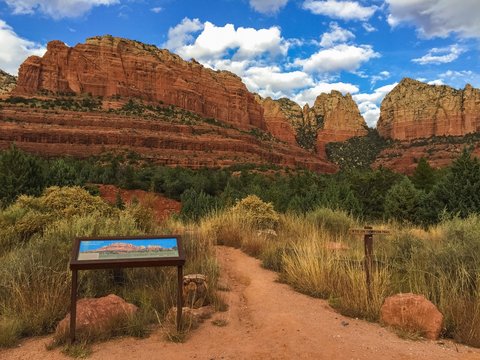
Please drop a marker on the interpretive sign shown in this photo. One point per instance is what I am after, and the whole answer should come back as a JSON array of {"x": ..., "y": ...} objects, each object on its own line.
[{"x": 125, "y": 252}]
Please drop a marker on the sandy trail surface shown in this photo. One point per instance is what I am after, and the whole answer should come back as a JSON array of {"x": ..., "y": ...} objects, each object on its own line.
[{"x": 265, "y": 320}]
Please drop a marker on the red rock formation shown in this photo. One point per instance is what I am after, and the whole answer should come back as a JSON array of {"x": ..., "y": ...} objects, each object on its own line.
[
  {"x": 415, "y": 110},
  {"x": 277, "y": 121},
  {"x": 163, "y": 207},
  {"x": 108, "y": 66},
  {"x": 82, "y": 134},
  {"x": 403, "y": 156},
  {"x": 336, "y": 118},
  {"x": 340, "y": 117}
]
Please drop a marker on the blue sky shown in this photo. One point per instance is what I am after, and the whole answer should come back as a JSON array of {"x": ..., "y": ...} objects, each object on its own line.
[{"x": 293, "y": 48}]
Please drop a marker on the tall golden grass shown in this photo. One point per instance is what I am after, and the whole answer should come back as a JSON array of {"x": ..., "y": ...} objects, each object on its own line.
[
  {"x": 34, "y": 274},
  {"x": 316, "y": 255}
]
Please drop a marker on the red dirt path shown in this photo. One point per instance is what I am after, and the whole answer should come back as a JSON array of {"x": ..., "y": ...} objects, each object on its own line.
[{"x": 265, "y": 320}]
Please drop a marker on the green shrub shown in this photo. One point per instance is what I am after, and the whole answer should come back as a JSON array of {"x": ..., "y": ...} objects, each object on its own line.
[
  {"x": 256, "y": 213},
  {"x": 336, "y": 222}
]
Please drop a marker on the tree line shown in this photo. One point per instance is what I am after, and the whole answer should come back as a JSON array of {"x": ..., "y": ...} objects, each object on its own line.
[{"x": 423, "y": 198}]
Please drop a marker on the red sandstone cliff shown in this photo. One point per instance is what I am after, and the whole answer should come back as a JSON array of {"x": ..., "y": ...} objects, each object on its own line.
[
  {"x": 340, "y": 118},
  {"x": 277, "y": 121},
  {"x": 57, "y": 132},
  {"x": 108, "y": 66},
  {"x": 414, "y": 110},
  {"x": 334, "y": 116}
]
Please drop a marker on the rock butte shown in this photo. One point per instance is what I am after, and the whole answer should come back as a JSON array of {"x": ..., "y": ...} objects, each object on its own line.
[
  {"x": 112, "y": 67},
  {"x": 414, "y": 110},
  {"x": 108, "y": 66},
  {"x": 336, "y": 116}
]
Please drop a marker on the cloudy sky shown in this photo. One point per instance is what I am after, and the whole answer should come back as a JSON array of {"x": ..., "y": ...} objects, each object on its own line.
[{"x": 292, "y": 48}]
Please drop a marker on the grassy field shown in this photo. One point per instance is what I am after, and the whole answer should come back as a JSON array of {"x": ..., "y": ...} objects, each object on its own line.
[{"x": 314, "y": 252}]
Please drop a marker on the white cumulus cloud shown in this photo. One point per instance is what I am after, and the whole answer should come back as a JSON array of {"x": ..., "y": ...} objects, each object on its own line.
[
  {"x": 337, "y": 58},
  {"x": 215, "y": 41},
  {"x": 437, "y": 17},
  {"x": 181, "y": 34},
  {"x": 272, "y": 81},
  {"x": 56, "y": 9},
  {"x": 345, "y": 10},
  {"x": 309, "y": 95},
  {"x": 336, "y": 35},
  {"x": 440, "y": 55},
  {"x": 369, "y": 103},
  {"x": 15, "y": 49},
  {"x": 268, "y": 6}
]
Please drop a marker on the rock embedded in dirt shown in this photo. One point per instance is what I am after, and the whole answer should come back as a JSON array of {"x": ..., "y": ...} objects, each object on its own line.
[
  {"x": 413, "y": 313},
  {"x": 190, "y": 317},
  {"x": 96, "y": 317},
  {"x": 195, "y": 290}
]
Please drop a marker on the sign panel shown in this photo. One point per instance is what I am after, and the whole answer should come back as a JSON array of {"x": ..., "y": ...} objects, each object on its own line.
[
  {"x": 127, "y": 249},
  {"x": 119, "y": 252},
  {"x": 125, "y": 252}
]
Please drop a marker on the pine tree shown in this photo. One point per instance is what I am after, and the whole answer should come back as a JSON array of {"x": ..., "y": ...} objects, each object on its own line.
[
  {"x": 403, "y": 202},
  {"x": 459, "y": 190},
  {"x": 20, "y": 173},
  {"x": 424, "y": 176}
]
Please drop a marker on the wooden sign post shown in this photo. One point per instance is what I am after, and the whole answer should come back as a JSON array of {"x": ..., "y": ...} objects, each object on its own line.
[
  {"x": 368, "y": 233},
  {"x": 125, "y": 252}
]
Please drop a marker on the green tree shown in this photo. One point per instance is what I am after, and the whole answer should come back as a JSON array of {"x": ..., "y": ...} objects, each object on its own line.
[
  {"x": 62, "y": 173},
  {"x": 119, "y": 203},
  {"x": 196, "y": 204},
  {"x": 404, "y": 202},
  {"x": 370, "y": 189},
  {"x": 424, "y": 176},
  {"x": 459, "y": 191},
  {"x": 20, "y": 173}
]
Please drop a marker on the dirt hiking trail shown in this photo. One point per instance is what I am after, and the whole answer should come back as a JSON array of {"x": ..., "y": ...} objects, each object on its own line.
[{"x": 265, "y": 320}]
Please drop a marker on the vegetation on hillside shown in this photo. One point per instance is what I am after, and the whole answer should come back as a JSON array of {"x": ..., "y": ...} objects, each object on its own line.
[{"x": 358, "y": 152}]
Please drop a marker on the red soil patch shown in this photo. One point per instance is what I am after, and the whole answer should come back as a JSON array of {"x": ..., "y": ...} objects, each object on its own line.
[{"x": 162, "y": 206}]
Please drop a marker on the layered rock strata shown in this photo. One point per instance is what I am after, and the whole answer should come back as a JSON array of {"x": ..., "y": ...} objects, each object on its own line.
[
  {"x": 414, "y": 110},
  {"x": 108, "y": 66},
  {"x": 82, "y": 134}
]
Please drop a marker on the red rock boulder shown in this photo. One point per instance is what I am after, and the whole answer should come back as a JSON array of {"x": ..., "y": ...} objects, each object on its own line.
[
  {"x": 412, "y": 312},
  {"x": 96, "y": 317}
]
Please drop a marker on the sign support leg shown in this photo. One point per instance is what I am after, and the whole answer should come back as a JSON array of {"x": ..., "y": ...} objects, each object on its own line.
[
  {"x": 73, "y": 307},
  {"x": 179, "y": 296},
  {"x": 368, "y": 243}
]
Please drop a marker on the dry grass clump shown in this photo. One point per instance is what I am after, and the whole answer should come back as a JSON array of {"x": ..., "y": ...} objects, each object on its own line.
[
  {"x": 37, "y": 235},
  {"x": 442, "y": 262}
]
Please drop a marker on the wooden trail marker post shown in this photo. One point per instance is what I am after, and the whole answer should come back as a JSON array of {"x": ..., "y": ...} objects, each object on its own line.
[
  {"x": 125, "y": 252},
  {"x": 368, "y": 233}
]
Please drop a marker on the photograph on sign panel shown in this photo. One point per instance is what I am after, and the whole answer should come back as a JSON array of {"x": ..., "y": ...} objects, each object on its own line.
[{"x": 127, "y": 249}]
